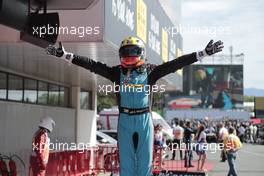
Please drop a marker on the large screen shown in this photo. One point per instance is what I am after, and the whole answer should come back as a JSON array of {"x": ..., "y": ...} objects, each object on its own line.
[{"x": 216, "y": 86}]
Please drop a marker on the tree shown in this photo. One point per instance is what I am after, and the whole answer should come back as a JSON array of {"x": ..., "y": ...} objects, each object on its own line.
[
  {"x": 248, "y": 98},
  {"x": 105, "y": 101}
]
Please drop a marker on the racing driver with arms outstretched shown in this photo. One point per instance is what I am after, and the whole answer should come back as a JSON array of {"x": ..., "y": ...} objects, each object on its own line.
[{"x": 135, "y": 126}]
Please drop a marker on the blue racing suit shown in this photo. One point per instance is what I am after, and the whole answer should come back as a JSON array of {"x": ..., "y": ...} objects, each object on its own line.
[
  {"x": 135, "y": 131},
  {"x": 135, "y": 126}
]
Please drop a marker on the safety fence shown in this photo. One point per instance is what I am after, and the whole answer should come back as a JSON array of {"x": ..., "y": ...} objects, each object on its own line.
[
  {"x": 92, "y": 161},
  {"x": 162, "y": 160},
  {"x": 11, "y": 165},
  {"x": 104, "y": 159}
]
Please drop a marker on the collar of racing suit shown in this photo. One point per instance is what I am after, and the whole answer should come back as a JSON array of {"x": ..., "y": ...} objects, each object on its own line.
[{"x": 141, "y": 69}]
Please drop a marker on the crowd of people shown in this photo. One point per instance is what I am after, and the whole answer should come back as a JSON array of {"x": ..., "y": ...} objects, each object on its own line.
[{"x": 231, "y": 133}]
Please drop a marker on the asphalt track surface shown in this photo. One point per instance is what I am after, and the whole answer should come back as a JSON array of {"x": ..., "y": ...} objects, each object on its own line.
[{"x": 250, "y": 162}]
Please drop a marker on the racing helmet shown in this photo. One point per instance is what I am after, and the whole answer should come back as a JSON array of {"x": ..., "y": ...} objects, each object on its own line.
[
  {"x": 47, "y": 123},
  {"x": 132, "y": 52}
]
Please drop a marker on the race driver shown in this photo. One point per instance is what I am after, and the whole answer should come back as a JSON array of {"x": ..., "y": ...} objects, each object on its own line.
[{"x": 135, "y": 126}]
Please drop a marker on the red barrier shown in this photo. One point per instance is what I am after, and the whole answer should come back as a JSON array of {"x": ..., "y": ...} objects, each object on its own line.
[
  {"x": 70, "y": 163},
  {"x": 52, "y": 165},
  {"x": 12, "y": 168},
  {"x": 157, "y": 159},
  {"x": 104, "y": 159},
  {"x": 3, "y": 168},
  {"x": 83, "y": 161},
  {"x": 161, "y": 160},
  {"x": 96, "y": 160}
]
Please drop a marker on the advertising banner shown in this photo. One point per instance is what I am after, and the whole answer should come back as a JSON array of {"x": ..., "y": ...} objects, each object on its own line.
[
  {"x": 147, "y": 20},
  {"x": 259, "y": 107},
  {"x": 218, "y": 86}
]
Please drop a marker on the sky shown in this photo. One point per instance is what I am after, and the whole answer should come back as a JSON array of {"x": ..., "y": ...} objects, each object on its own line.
[{"x": 240, "y": 23}]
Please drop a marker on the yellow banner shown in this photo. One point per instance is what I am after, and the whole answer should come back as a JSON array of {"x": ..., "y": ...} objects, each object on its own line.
[
  {"x": 259, "y": 103},
  {"x": 142, "y": 20},
  {"x": 179, "y": 54},
  {"x": 165, "y": 55}
]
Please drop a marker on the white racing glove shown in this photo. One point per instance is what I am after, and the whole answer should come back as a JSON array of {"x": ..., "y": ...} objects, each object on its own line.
[
  {"x": 210, "y": 49},
  {"x": 59, "y": 52}
]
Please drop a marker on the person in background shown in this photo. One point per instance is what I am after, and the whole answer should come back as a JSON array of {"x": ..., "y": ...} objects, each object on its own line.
[
  {"x": 247, "y": 133},
  {"x": 223, "y": 133},
  {"x": 251, "y": 131},
  {"x": 200, "y": 148},
  {"x": 230, "y": 124},
  {"x": 40, "y": 147},
  {"x": 99, "y": 125},
  {"x": 210, "y": 129},
  {"x": 232, "y": 145},
  {"x": 241, "y": 133},
  {"x": 158, "y": 136},
  {"x": 178, "y": 136},
  {"x": 255, "y": 132},
  {"x": 188, "y": 132},
  {"x": 211, "y": 133},
  {"x": 173, "y": 122}
]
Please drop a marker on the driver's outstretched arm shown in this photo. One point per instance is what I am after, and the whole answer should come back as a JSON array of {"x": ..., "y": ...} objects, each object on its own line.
[
  {"x": 171, "y": 66},
  {"x": 99, "y": 68},
  {"x": 178, "y": 63}
]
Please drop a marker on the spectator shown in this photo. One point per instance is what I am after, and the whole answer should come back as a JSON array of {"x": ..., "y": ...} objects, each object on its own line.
[
  {"x": 159, "y": 142},
  {"x": 251, "y": 132},
  {"x": 173, "y": 122},
  {"x": 200, "y": 148},
  {"x": 99, "y": 125},
  {"x": 232, "y": 145},
  {"x": 211, "y": 133},
  {"x": 255, "y": 130},
  {"x": 158, "y": 136},
  {"x": 210, "y": 129},
  {"x": 223, "y": 133},
  {"x": 247, "y": 133},
  {"x": 188, "y": 131},
  {"x": 241, "y": 133},
  {"x": 178, "y": 136}
]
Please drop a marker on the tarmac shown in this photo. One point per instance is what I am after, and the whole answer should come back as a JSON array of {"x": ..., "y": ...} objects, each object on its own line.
[{"x": 248, "y": 163}]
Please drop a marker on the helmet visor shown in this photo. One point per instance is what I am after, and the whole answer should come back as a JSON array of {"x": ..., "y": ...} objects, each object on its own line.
[{"x": 131, "y": 50}]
